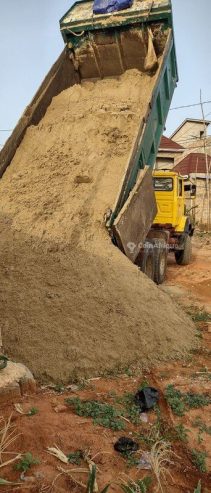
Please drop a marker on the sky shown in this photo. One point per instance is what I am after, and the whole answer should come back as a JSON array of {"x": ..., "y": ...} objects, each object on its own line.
[{"x": 30, "y": 42}]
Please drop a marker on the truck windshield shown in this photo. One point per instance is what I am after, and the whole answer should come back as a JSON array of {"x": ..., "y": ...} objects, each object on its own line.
[{"x": 163, "y": 184}]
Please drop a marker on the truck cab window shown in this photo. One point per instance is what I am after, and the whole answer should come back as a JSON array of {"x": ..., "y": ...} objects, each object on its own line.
[{"x": 163, "y": 184}]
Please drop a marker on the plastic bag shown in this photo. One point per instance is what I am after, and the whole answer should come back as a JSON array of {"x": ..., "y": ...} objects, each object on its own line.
[
  {"x": 146, "y": 398},
  {"x": 126, "y": 445},
  {"x": 107, "y": 6}
]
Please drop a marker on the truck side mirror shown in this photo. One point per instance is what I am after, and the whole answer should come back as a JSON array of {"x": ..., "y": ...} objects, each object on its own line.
[{"x": 193, "y": 191}]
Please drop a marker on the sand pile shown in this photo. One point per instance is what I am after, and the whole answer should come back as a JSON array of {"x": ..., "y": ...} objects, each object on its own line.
[{"x": 71, "y": 303}]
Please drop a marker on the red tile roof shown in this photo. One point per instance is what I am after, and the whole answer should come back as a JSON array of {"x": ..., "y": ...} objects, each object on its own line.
[
  {"x": 167, "y": 143},
  {"x": 195, "y": 162}
]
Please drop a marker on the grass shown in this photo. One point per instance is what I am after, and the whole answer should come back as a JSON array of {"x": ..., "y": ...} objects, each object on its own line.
[
  {"x": 75, "y": 457},
  {"x": 131, "y": 458},
  {"x": 198, "y": 488},
  {"x": 174, "y": 399},
  {"x": 138, "y": 486},
  {"x": 160, "y": 459},
  {"x": 132, "y": 461},
  {"x": 199, "y": 315},
  {"x": 129, "y": 409},
  {"x": 33, "y": 411},
  {"x": 181, "y": 402},
  {"x": 102, "y": 414},
  {"x": 160, "y": 430},
  {"x": 8, "y": 436},
  {"x": 202, "y": 374},
  {"x": 199, "y": 460},
  {"x": 26, "y": 462},
  {"x": 5, "y": 482},
  {"x": 181, "y": 432},
  {"x": 193, "y": 400},
  {"x": 199, "y": 423},
  {"x": 59, "y": 388}
]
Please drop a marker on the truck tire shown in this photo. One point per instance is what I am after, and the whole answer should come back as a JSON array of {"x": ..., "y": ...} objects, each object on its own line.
[
  {"x": 147, "y": 261},
  {"x": 183, "y": 257},
  {"x": 160, "y": 263}
]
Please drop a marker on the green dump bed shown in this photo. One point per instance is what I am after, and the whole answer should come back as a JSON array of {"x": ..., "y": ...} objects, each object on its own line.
[{"x": 106, "y": 45}]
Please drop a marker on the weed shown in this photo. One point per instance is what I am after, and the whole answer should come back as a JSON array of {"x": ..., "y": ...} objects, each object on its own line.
[
  {"x": 8, "y": 436},
  {"x": 180, "y": 403},
  {"x": 198, "y": 488},
  {"x": 200, "y": 316},
  {"x": 129, "y": 372},
  {"x": 193, "y": 401},
  {"x": 131, "y": 459},
  {"x": 174, "y": 399},
  {"x": 131, "y": 411},
  {"x": 58, "y": 453},
  {"x": 182, "y": 432},
  {"x": 159, "y": 430},
  {"x": 26, "y": 462},
  {"x": 59, "y": 388},
  {"x": 112, "y": 394},
  {"x": 92, "y": 483},
  {"x": 203, "y": 428},
  {"x": 160, "y": 458},
  {"x": 139, "y": 486},
  {"x": 203, "y": 369},
  {"x": 144, "y": 384},
  {"x": 32, "y": 411},
  {"x": 198, "y": 334},
  {"x": 75, "y": 457},
  {"x": 82, "y": 384},
  {"x": 102, "y": 414},
  {"x": 199, "y": 459},
  {"x": 199, "y": 438},
  {"x": 164, "y": 374},
  {"x": 7, "y": 483},
  {"x": 203, "y": 374}
]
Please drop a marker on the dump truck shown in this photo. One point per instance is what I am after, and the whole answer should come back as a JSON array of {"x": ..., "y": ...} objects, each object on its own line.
[
  {"x": 105, "y": 45},
  {"x": 78, "y": 180},
  {"x": 172, "y": 228}
]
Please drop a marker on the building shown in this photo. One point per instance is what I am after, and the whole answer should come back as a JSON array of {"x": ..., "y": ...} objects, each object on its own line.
[
  {"x": 197, "y": 167},
  {"x": 186, "y": 153},
  {"x": 191, "y": 135},
  {"x": 169, "y": 153}
]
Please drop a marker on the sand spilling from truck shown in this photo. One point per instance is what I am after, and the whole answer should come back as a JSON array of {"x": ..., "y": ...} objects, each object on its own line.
[{"x": 71, "y": 303}]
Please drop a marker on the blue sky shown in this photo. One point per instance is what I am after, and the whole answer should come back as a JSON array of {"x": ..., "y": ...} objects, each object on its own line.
[{"x": 30, "y": 41}]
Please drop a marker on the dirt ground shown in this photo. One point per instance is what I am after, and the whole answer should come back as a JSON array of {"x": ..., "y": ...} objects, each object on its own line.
[{"x": 53, "y": 422}]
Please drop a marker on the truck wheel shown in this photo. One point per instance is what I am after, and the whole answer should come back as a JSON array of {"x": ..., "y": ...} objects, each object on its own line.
[
  {"x": 160, "y": 263},
  {"x": 147, "y": 261},
  {"x": 183, "y": 257}
]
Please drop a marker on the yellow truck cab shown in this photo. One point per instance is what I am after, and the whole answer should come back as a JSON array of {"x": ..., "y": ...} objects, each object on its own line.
[
  {"x": 171, "y": 230},
  {"x": 170, "y": 199}
]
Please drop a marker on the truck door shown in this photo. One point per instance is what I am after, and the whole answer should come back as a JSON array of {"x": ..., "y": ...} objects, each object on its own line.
[{"x": 180, "y": 199}]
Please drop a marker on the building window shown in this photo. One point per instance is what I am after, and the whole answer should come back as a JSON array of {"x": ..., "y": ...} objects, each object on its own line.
[{"x": 167, "y": 160}]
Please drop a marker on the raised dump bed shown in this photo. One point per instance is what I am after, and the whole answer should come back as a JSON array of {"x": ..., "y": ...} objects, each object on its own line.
[{"x": 105, "y": 45}]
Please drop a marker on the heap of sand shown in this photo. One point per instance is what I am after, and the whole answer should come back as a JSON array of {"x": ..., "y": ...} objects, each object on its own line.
[{"x": 71, "y": 303}]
